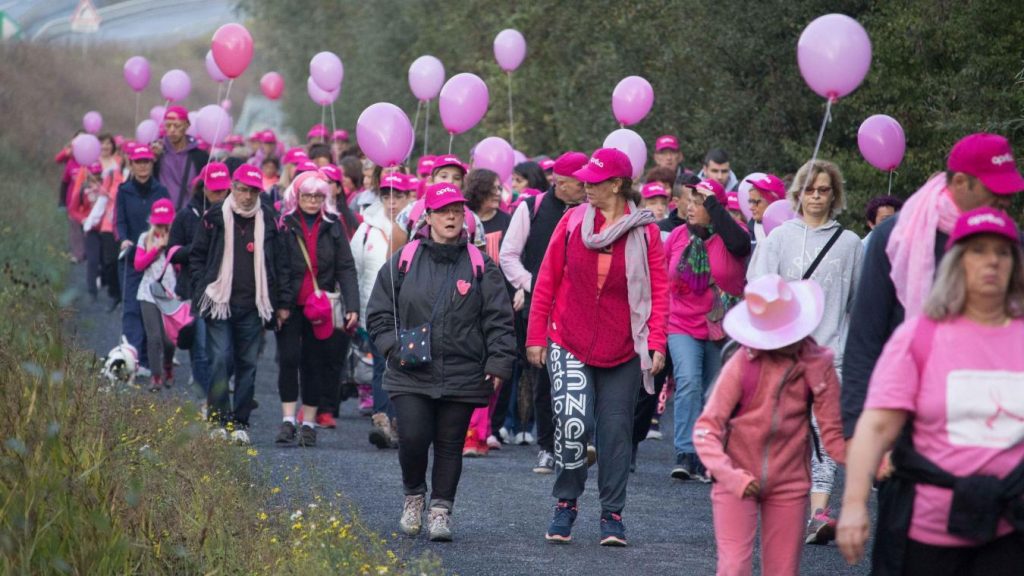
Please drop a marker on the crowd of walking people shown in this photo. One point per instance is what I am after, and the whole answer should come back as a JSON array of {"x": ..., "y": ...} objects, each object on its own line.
[{"x": 573, "y": 307}]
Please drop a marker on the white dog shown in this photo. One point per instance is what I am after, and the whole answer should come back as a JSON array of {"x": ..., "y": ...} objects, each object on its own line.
[{"x": 121, "y": 364}]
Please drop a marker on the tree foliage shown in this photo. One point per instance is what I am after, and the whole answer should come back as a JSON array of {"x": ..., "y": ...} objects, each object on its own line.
[{"x": 724, "y": 73}]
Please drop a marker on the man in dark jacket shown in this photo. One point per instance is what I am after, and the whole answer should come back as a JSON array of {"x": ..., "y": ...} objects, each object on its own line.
[
  {"x": 135, "y": 198},
  {"x": 238, "y": 285},
  {"x": 980, "y": 171},
  {"x": 211, "y": 187},
  {"x": 180, "y": 158},
  {"x": 522, "y": 252}
]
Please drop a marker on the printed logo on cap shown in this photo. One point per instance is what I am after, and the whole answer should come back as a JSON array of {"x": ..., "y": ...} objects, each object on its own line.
[
  {"x": 665, "y": 140},
  {"x": 980, "y": 219},
  {"x": 1002, "y": 159},
  {"x": 140, "y": 150},
  {"x": 705, "y": 186},
  {"x": 160, "y": 209},
  {"x": 445, "y": 190},
  {"x": 597, "y": 162},
  {"x": 392, "y": 179},
  {"x": 218, "y": 174}
]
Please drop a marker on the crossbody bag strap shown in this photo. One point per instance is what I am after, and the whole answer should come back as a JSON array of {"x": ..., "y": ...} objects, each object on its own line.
[
  {"x": 824, "y": 251},
  {"x": 309, "y": 265}
]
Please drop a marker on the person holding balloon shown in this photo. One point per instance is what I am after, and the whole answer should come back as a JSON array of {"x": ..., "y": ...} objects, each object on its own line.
[
  {"x": 815, "y": 246},
  {"x": 179, "y": 158}
]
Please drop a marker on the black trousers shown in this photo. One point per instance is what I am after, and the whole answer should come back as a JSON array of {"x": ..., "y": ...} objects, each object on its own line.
[
  {"x": 1001, "y": 557},
  {"x": 302, "y": 358},
  {"x": 330, "y": 392},
  {"x": 424, "y": 421}
]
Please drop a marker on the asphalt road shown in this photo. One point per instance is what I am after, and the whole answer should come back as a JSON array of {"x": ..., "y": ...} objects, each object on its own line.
[{"x": 502, "y": 509}]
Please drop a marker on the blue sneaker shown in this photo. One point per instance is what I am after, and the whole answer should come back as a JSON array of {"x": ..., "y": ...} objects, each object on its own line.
[
  {"x": 560, "y": 530},
  {"x": 613, "y": 532}
]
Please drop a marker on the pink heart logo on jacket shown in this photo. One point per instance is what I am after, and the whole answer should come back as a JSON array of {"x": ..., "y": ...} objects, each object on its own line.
[{"x": 463, "y": 287}]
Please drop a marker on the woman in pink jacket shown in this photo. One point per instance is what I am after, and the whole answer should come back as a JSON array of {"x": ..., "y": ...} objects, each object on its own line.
[
  {"x": 599, "y": 325},
  {"x": 754, "y": 434}
]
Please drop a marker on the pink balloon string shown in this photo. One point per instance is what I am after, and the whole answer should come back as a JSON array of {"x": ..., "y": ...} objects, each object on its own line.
[
  {"x": 334, "y": 122},
  {"x": 451, "y": 138},
  {"x": 817, "y": 145},
  {"x": 891, "y": 172},
  {"x": 137, "y": 98},
  {"x": 323, "y": 121},
  {"x": 415, "y": 123},
  {"x": 426, "y": 130},
  {"x": 511, "y": 123}
]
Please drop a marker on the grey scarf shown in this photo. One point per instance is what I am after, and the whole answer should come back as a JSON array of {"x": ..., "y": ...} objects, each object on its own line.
[{"x": 638, "y": 275}]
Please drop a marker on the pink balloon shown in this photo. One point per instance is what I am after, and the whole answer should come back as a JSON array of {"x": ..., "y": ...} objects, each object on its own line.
[
  {"x": 92, "y": 122},
  {"x": 86, "y": 149},
  {"x": 211, "y": 68},
  {"x": 463, "y": 102},
  {"x": 632, "y": 100},
  {"x": 136, "y": 73},
  {"x": 175, "y": 85},
  {"x": 327, "y": 71},
  {"x": 777, "y": 213},
  {"x": 213, "y": 124},
  {"x": 519, "y": 157},
  {"x": 509, "y": 49},
  {"x": 632, "y": 145},
  {"x": 743, "y": 193},
  {"x": 146, "y": 131},
  {"x": 384, "y": 134},
  {"x": 495, "y": 154},
  {"x": 226, "y": 104},
  {"x": 426, "y": 76},
  {"x": 318, "y": 94},
  {"x": 156, "y": 114},
  {"x": 834, "y": 54},
  {"x": 272, "y": 85},
  {"x": 232, "y": 49},
  {"x": 882, "y": 142}
]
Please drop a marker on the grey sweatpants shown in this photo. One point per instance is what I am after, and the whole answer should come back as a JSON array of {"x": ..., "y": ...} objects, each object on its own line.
[{"x": 586, "y": 401}]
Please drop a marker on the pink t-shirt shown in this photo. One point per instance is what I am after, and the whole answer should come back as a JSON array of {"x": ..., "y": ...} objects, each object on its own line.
[{"x": 968, "y": 409}]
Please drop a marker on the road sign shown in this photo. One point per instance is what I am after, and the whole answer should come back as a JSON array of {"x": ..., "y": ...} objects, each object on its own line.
[{"x": 86, "y": 19}]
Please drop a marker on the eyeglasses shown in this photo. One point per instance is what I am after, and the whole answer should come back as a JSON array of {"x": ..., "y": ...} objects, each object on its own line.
[
  {"x": 755, "y": 201},
  {"x": 821, "y": 190},
  {"x": 312, "y": 197}
]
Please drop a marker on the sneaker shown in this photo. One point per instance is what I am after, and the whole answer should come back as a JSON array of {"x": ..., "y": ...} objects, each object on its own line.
[
  {"x": 545, "y": 463},
  {"x": 701, "y": 473},
  {"x": 685, "y": 468},
  {"x": 380, "y": 434},
  {"x": 326, "y": 420},
  {"x": 493, "y": 443},
  {"x": 143, "y": 372},
  {"x": 365, "y": 400},
  {"x": 286, "y": 434},
  {"x": 528, "y": 439},
  {"x": 503, "y": 433},
  {"x": 156, "y": 384},
  {"x": 219, "y": 433},
  {"x": 560, "y": 529},
  {"x": 821, "y": 528},
  {"x": 440, "y": 525},
  {"x": 519, "y": 439},
  {"x": 412, "y": 514},
  {"x": 307, "y": 436},
  {"x": 470, "y": 449},
  {"x": 241, "y": 437},
  {"x": 654, "y": 433},
  {"x": 613, "y": 532},
  {"x": 591, "y": 455}
]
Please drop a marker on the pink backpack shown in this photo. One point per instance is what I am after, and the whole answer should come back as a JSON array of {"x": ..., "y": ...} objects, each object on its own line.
[{"x": 409, "y": 250}]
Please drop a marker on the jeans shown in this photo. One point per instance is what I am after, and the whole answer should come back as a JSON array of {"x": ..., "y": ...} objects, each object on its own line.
[
  {"x": 589, "y": 401},
  {"x": 131, "y": 314},
  {"x": 425, "y": 421},
  {"x": 236, "y": 338},
  {"x": 93, "y": 261},
  {"x": 381, "y": 400},
  {"x": 695, "y": 364},
  {"x": 199, "y": 358}
]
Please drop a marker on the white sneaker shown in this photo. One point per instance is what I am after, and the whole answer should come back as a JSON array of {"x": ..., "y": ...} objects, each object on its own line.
[
  {"x": 240, "y": 437},
  {"x": 219, "y": 434},
  {"x": 175, "y": 361},
  {"x": 519, "y": 439},
  {"x": 653, "y": 434},
  {"x": 504, "y": 435},
  {"x": 528, "y": 438},
  {"x": 143, "y": 372},
  {"x": 493, "y": 443}
]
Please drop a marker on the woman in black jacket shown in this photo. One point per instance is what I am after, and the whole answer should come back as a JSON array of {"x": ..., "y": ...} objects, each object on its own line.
[
  {"x": 315, "y": 245},
  {"x": 442, "y": 288}
]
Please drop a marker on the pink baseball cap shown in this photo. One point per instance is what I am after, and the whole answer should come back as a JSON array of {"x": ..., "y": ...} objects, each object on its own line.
[
  {"x": 255, "y": 136},
  {"x": 140, "y": 152},
  {"x": 605, "y": 164},
  {"x": 234, "y": 140},
  {"x": 447, "y": 160},
  {"x": 317, "y": 310},
  {"x": 95, "y": 168},
  {"x": 425, "y": 166},
  {"x": 215, "y": 176},
  {"x": 567, "y": 164},
  {"x": 666, "y": 142},
  {"x": 547, "y": 164},
  {"x": 654, "y": 189},
  {"x": 989, "y": 158},
  {"x": 268, "y": 137},
  {"x": 984, "y": 220},
  {"x": 732, "y": 201},
  {"x": 340, "y": 135},
  {"x": 306, "y": 166},
  {"x": 715, "y": 188},
  {"x": 295, "y": 155},
  {"x": 317, "y": 131},
  {"x": 249, "y": 175},
  {"x": 176, "y": 113},
  {"x": 396, "y": 181},
  {"x": 775, "y": 313},
  {"x": 770, "y": 186},
  {"x": 331, "y": 172},
  {"x": 161, "y": 213},
  {"x": 442, "y": 194}
]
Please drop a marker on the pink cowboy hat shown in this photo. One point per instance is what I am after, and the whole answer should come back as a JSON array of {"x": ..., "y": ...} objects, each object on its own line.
[{"x": 775, "y": 313}]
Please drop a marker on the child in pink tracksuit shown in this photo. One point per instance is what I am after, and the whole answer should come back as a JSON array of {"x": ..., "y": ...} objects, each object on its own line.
[{"x": 754, "y": 434}]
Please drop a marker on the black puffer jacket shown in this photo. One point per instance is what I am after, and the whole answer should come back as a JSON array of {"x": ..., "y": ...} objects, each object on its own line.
[
  {"x": 183, "y": 232},
  {"x": 335, "y": 266},
  {"x": 208, "y": 251},
  {"x": 472, "y": 335}
]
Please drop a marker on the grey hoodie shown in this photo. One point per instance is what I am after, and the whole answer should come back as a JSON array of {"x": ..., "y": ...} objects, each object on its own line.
[{"x": 789, "y": 251}]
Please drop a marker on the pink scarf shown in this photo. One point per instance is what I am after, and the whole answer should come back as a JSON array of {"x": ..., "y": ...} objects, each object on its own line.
[{"x": 911, "y": 247}]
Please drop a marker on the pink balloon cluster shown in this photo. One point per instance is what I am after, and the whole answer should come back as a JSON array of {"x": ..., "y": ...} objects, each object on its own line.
[
  {"x": 882, "y": 142},
  {"x": 463, "y": 103},
  {"x": 318, "y": 94},
  {"x": 834, "y": 54},
  {"x": 212, "y": 70},
  {"x": 426, "y": 77},
  {"x": 384, "y": 134},
  {"x": 327, "y": 71}
]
